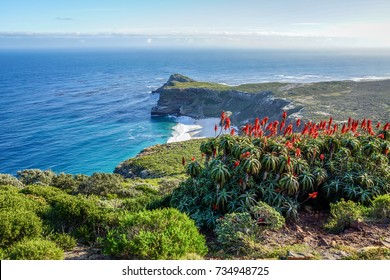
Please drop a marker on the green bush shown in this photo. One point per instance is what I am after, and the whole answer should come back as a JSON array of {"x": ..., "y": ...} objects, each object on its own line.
[
  {"x": 343, "y": 215},
  {"x": 65, "y": 182},
  {"x": 7, "y": 179},
  {"x": 78, "y": 215},
  {"x": 16, "y": 224},
  {"x": 267, "y": 217},
  {"x": 3, "y": 255},
  {"x": 157, "y": 234},
  {"x": 36, "y": 177},
  {"x": 63, "y": 240},
  {"x": 35, "y": 249},
  {"x": 235, "y": 229},
  {"x": 380, "y": 209},
  {"x": 102, "y": 184},
  {"x": 12, "y": 199}
]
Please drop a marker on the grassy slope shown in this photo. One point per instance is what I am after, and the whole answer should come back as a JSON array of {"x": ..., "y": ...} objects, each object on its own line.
[
  {"x": 164, "y": 160},
  {"x": 340, "y": 99}
]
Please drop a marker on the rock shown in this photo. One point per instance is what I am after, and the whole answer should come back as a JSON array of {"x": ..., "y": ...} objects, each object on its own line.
[
  {"x": 323, "y": 242},
  {"x": 299, "y": 256},
  {"x": 144, "y": 174},
  {"x": 386, "y": 242},
  {"x": 333, "y": 243}
]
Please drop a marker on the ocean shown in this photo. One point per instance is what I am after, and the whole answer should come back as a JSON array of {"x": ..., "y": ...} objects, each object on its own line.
[{"x": 85, "y": 111}]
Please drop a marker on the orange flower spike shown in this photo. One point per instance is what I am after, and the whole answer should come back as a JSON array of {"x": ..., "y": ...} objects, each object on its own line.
[
  {"x": 236, "y": 163},
  {"x": 382, "y": 136},
  {"x": 322, "y": 157},
  {"x": 193, "y": 159},
  {"x": 298, "y": 152},
  {"x": 282, "y": 125},
  {"x": 313, "y": 195},
  {"x": 215, "y": 128},
  {"x": 232, "y": 132},
  {"x": 284, "y": 115},
  {"x": 378, "y": 124},
  {"x": 298, "y": 123},
  {"x": 386, "y": 152},
  {"x": 223, "y": 116},
  {"x": 288, "y": 160}
]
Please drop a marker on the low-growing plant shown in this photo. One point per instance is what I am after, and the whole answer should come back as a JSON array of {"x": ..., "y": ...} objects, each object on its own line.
[
  {"x": 343, "y": 215},
  {"x": 11, "y": 199},
  {"x": 7, "y": 179},
  {"x": 65, "y": 182},
  {"x": 156, "y": 234},
  {"x": 16, "y": 224},
  {"x": 267, "y": 217},
  {"x": 380, "y": 209},
  {"x": 63, "y": 240},
  {"x": 35, "y": 249},
  {"x": 3, "y": 254},
  {"x": 235, "y": 229},
  {"x": 36, "y": 177},
  {"x": 101, "y": 184}
]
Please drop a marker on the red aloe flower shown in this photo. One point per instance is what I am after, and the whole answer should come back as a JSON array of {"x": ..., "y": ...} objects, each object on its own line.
[
  {"x": 386, "y": 152},
  {"x": 236, "y": 163},
  {"x": 215, "y": 128},
  {"x": 214, "y": 152},
  {"x": 322, "y": 157},
  {"x": 193, "y": 159},
  {"x": 298, "y": 123},
  {"x": 284, "y": 115},
  {"x": 232, "y": 132},
  {"x": 223, "y": 116},
  {"x": 282, "y": 125},
  {"x": 288, "y": 160},
  {"x": 298, "y": 152},
  {"x": 378, "y": 124},
  {"x": 382, "y": 136},
  {"x": 313, "y": 195}
]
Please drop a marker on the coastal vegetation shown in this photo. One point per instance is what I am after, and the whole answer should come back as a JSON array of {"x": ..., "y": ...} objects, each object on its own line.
[
  {"x": 282, "y": 186},
  {"x": 219, "y": 197}
]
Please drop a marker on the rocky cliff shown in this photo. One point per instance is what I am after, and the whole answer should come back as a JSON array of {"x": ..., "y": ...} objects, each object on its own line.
[{"x": 183, "y": 96}]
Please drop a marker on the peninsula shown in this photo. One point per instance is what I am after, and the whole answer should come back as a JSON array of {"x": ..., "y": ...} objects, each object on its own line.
[{"x": 183, "y": 96}]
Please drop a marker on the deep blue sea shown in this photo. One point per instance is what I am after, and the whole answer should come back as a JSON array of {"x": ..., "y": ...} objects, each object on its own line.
[{"x": 86, "y": 111}]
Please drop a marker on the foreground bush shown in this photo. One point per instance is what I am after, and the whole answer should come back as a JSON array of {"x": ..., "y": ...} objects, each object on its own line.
[
  {"x": 35, "y": 249},
  {"x": 344, "y": 214},
  {"x": 77, "y": 215},
  {"x": 36, "y": 177},
  {"x": 380, "y": 209},
  {"x": 157, "y": 234},
  {"x": 18, "y": 224},
  {"x": 63, "y": 240},
  {"x": 235, "y": 229}
]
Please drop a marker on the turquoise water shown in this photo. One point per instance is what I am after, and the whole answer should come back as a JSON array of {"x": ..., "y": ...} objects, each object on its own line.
[{"x": 86, "y": 111}]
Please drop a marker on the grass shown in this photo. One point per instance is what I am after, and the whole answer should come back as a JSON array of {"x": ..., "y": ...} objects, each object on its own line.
[{"x": 164, "y": 160}]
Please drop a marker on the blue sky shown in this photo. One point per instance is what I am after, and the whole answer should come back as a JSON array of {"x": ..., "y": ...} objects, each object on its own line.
[{"x": 197, "y": 23}]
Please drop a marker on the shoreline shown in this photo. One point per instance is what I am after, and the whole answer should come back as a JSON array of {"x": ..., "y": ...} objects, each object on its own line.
[{"x": 187, "y": 128}]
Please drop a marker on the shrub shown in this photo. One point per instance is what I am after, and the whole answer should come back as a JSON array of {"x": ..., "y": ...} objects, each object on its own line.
[
  {"x": 35, "y": 249},
  {"x": 77, "y": 215},
  {"x": 16, "y": 224},
  {"x": 234, "y": 229},
  {"x": 343, "y": 215},
  {"x": 65, "y": 182},
  {"x": 63, "y": 240},
  {"x": 267, "y": 216},
  {"x": 7, "y": 179},
  {"x": 381, "y": 208},
  {"x": 3, "y": 255},
  {"x": 36, "y": 177},
  {"x": 157, "y": 234},
  {"x": 101, "y": 184},
  {"x": 11, "y": 199}
]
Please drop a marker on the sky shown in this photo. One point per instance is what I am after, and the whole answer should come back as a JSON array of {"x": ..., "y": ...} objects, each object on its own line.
[{"x": 281, "y": 24}]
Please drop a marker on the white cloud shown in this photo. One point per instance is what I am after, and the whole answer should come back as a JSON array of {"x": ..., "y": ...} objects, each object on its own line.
[{"x": 149, "y": 40}]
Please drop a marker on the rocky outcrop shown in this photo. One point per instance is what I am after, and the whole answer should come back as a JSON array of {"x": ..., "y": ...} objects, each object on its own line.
[{"x": 205, "y": 102}]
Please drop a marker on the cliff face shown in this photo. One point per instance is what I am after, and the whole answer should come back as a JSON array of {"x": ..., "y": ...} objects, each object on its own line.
[{"x": 203, "y": 102}]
